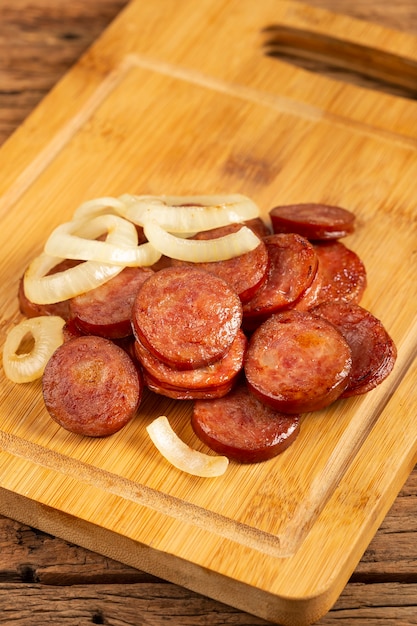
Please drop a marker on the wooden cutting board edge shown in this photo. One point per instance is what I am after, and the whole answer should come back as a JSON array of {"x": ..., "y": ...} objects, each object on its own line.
[{"x": 92, "y": 537}]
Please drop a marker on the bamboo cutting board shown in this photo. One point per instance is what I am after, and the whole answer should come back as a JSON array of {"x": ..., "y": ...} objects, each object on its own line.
[{"x": 180, "y": 99}]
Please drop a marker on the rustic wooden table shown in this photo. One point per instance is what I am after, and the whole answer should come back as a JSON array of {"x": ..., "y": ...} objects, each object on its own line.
[{"x": 45, "y": 580}]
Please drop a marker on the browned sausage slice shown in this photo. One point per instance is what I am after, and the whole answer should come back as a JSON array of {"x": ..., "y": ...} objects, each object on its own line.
[
  {"x": 313, "y": 221},
  {"x": 107, "y": 310},
  {"x": 342, "y": 273},
  {"x": 70, "y": 330},
  {"x": 310, "y": 296},
  {"x": 214, "y": 377},
  {"x": 258, "y": 226},
  {"x": 297, "y": 362},
  {"x": 178, "y": 393},
  {"x": 292, "y": 267},
  {"x": 30, "y": 309},
  {"x": 242, "y": 428},
  {"x": 186, "y": 317},
  {"x": 91, "y": 386},
  {"x": 373, "y": 351},
  {"x": 244, "y": 273}
]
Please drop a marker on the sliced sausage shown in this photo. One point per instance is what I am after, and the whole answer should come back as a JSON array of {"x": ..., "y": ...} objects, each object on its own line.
[
  {"x": 162, "y": 263},
  {"x": 186, "y": 317},
  {"x": 297, "y": 362},
  {"x": 258, "y": 226},
  {"x": 373, "y": 351},
  {"x": 178, "y": 393},
  {"x": 313, "y": 221},
  {"x": 106, "y": 310},
  {"x": 70, "y": 330},
  {"x": 292, "y": 267},
  {"x": 310, "y": 296},
  {"x": 91, "y": 386},
  {"x": 342, "y": 273},
  {"x": 30, "y": 309},
  {"x": 244, "y": 273},
  {"x": 214, "y": 377},
  {"x": 241, "y": 427}
]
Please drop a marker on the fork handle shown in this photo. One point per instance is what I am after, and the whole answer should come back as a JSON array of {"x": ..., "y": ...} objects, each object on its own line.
[{"x": 325, "y": 53}]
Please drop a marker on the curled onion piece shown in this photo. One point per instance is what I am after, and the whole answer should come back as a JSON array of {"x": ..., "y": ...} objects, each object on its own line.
[
  {"x": 99, "y": 206},
  {"x": 181, "y": 455},
  {"x": 201, "y": 251},
  {"x": 77, "y": 240},
  {"x": 182, "y": 214},
  {"x": 46, "y": 335},
  {"x": 43, "y": 288}
]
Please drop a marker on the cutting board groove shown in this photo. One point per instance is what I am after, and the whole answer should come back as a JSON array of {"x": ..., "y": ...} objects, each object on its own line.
[{"x": 113, "y": 79}]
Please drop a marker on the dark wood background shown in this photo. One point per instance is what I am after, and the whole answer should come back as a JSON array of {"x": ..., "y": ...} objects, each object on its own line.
[{"x": 45, "y": 580}]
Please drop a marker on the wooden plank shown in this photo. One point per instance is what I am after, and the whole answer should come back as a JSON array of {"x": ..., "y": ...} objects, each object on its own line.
[
  {"x": 133, "y": 600},
  {"x": 115, "y": 604},
  {"x": 250, "y": 104},
  {"x": 38, "y": 44},
  {"x": 85, "y": 583}
]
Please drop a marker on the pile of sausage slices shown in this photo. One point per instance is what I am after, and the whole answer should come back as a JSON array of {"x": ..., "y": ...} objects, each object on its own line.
[{"x": 254, "y": 340}]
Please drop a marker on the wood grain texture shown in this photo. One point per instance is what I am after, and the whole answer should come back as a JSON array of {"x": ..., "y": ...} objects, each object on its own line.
[
  {"x": 385, "y": 569},
  {"x": 39, "y": 42}
]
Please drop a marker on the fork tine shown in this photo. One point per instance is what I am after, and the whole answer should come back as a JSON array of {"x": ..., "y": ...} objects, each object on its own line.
[{"x": 318, "y": 52}]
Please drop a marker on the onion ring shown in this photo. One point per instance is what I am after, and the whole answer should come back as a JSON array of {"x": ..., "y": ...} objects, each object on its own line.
[
  {"x": 199, "y": 250},
  {"x": 182, "y": 214},
  {"x": 77, "y": 240},
  {"x": 24, "y": 367}
]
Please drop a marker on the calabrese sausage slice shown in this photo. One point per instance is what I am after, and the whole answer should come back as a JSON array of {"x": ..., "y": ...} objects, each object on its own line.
[
  {"x": 373, "y": 351},
  {"x": 292, "y": 267},
  {"x": 313, "y": 221},
  {"x": 297, "y": 362},
  {"x": 242, "y": 428},
  {"x": 342, "y": 273},
  {"x": 186, "y": 317},
  {"x": 106, "y": 310},
  {"x": 30, "y": 309},
  {"x": 215, "y": 378},
  {"x": 310, "y": 296},
  {"x": 178, "y": 393},
  {"x": 70, "y": 330},
  {"x": 91, "y": 386},
  {"x": 244, "y": 273}
]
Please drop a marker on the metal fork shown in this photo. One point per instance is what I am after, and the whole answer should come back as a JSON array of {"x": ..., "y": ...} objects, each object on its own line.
[{"x": 342, "y": 60}]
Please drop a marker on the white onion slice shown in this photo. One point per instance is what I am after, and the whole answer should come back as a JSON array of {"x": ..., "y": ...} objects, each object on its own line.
[
  {"x": 201, "y": 250},
  {"x": 43, "y": 288},
  {"x": 181, "y": 455},
  {"x": 46, "y": 333},
  {"x": 99, "y": 206},
  {"x": 77, "y": 240},
  {"x": 181, "y": 214}
]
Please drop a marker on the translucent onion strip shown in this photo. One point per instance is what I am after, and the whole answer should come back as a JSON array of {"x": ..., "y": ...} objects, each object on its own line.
[
  {"x": 45, "y": 336},
  {"x": 181, "y": 455},
  {"x": 99, "y": 206},
  {"x": 77, "y": 240},
  {"x": 43, "y": 288},
  {"x": 182, "y": 214},
  {"x": 201, "y": 251}
]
